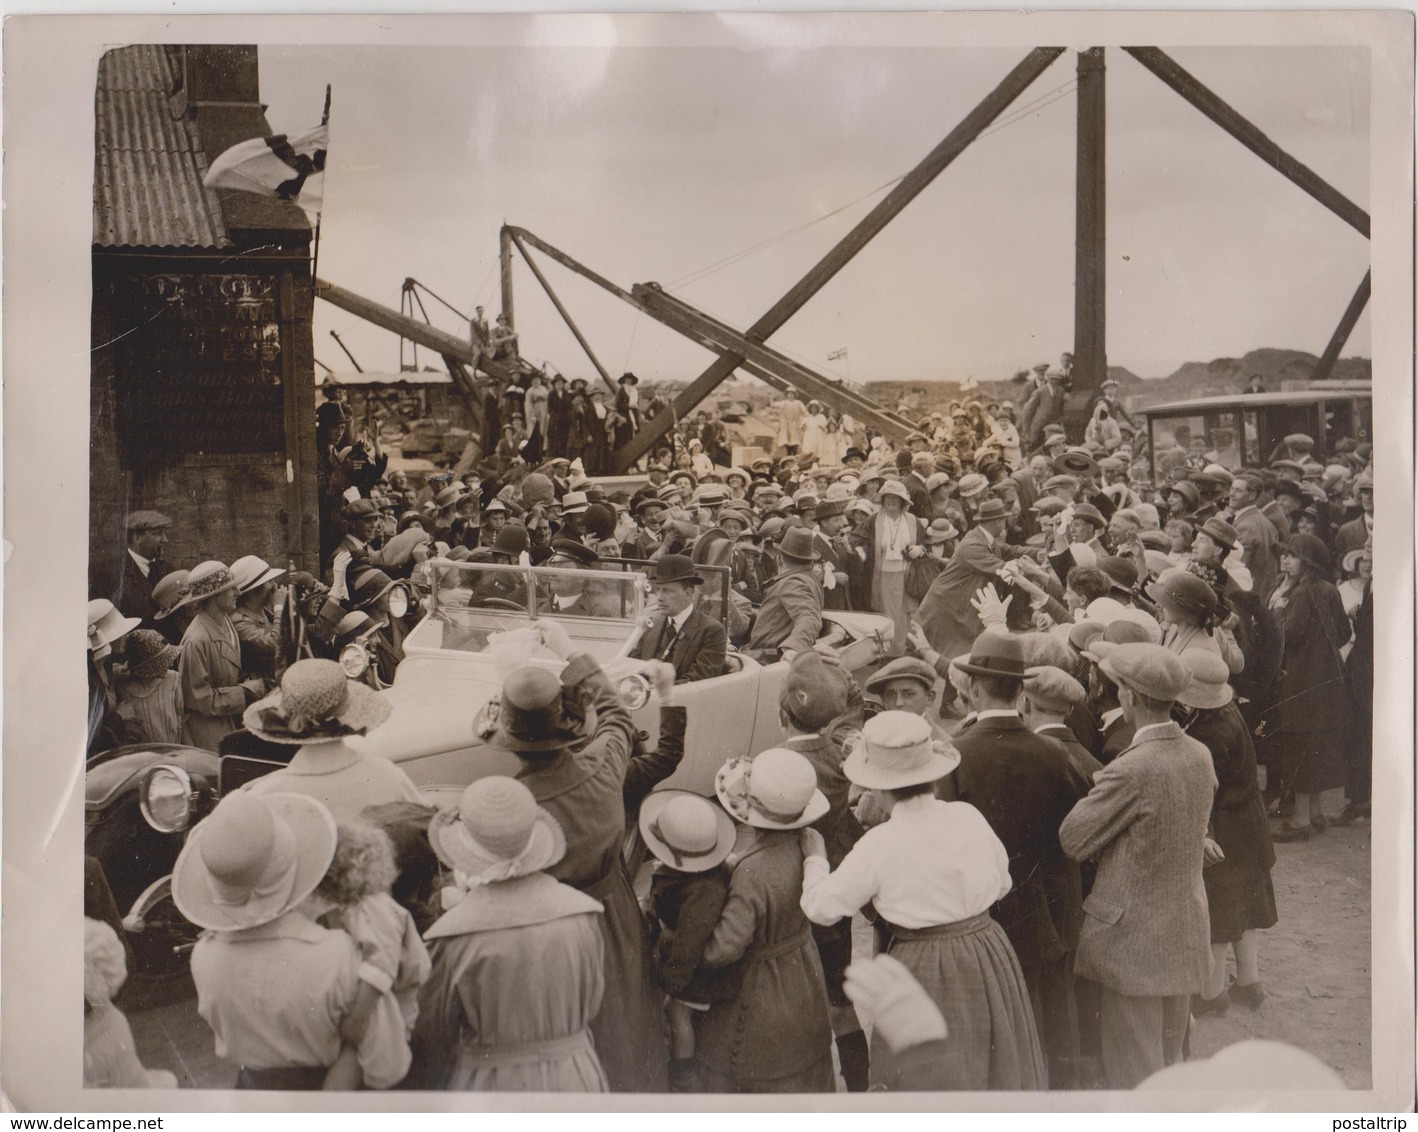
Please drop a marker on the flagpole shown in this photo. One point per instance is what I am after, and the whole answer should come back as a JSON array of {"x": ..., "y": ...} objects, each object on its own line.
[{"x": 315, "y": 252}]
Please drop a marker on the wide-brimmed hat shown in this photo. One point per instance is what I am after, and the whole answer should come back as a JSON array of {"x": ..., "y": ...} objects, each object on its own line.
[
  {"x": 797, "y": 543},
  {"x": 1209, "y": 687},
  {"x": 628, "y": 379},
  {"x": 497, "y": 832},
  {"x": 316, "y": 703},
  {"x": 353, "y": 626},
  {"x": 940, "y": 530},
  {"x": 148, "y": 654},
  {"x": 169, "y": 593},
  {"x": 1222, "y": 533},
  {"x": 1350, "y": 562},
  {"x": 685, "y": 831},
  {"x": 896, "y": 488},
  {"x": 990, "y": 509},
  {"x": 1082, "y": 634},
  {"x": 777, "y": 789},
  {"x": 1309, "y": 549},
  {"x": 253, "y": 859},
  {"x": 902, "y": 668},
  {"x": 529, "y": 716},
  {"x": 972, "y": 485},
  {"x": 207, "y": 579},
  {"x": 1183, "y": 588},
  {"x": 1052, "y": 689},
  {"x": 251, "y": 571},
  {"x": 994, "y": 654},
  {"x": 106, "y": 624},
  {"x": 675, "y": 568},
  {"x": 1152, "y": 670},
  {"x": 898, "y": 749}
]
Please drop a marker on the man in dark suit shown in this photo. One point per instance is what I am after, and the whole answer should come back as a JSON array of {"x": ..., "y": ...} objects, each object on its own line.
[
  {"x": 946, "y": 613},
  {"x": 143, "y": 565},
  {"x": 790, "y": 617},
  {"x": 681, "y": 634},
  {"x": 1024, "y": 786},
  {"x": 829, "y": 523},
  {"x": 914, "y": 481}
]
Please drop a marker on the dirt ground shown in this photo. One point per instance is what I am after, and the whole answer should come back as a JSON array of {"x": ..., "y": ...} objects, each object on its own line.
[{"x": 1314, "y": 966}]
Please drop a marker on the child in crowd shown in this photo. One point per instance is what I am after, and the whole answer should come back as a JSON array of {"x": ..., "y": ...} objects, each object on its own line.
[
  {"x": 150, "y": 701},
  {"x": 691, "y": 839},
  {"x": 110, "y": 1058}
]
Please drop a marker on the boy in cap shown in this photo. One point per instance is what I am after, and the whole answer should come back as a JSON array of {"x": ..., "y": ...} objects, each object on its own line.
[
  {"x": 817, "y": 692},
  {"x": 1147, "y": 938}
]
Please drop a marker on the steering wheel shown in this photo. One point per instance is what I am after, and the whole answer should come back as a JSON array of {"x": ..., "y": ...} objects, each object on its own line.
[{"x": 497, "y": 603}]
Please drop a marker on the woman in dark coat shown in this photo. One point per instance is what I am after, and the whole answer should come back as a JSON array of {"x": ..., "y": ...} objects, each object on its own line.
[
  {"x": 1239, "y": 893},
  {"x": 579, "y": 781},
  {"x": 776, "y": 1037},
  {"x": 1359, "y": 751},
  {"x": 1312, "y": 704}
]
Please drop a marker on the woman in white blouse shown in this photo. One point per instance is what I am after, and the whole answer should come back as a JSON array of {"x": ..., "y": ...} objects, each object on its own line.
[{"x": 931, "y": 873}]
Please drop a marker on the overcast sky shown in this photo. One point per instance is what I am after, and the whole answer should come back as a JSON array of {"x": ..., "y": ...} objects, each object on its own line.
[{"x": 655, "y": 163}]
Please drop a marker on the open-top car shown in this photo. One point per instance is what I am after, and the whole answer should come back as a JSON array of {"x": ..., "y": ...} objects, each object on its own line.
[{"x": 456, "y": 658}]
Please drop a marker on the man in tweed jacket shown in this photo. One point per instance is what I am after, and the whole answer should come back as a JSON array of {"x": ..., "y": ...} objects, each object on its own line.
[{"x": 1146, "y": 935}]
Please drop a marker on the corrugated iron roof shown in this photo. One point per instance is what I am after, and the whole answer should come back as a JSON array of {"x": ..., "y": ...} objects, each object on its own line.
[{"x": 148, "y": 161}]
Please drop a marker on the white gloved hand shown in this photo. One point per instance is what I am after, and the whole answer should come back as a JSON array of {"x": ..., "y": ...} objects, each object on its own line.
[{"x": 900, "y": 1009}]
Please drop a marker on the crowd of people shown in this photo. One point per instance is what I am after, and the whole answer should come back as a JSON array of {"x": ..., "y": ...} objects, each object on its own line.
[{"x": 1103, "y": 701}]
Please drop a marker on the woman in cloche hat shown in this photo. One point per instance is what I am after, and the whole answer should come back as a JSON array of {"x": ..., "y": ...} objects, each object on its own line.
[
  {"x": 210, "y": 664},
  {"x": 518, "y": 966},
  {"x": 1311, "y": 699},
  {"x": 776, "y": 1036},
  {"x": 932, "y": 871},
  {"x": 149, "y": 691},
  {"x": 274, "y": 985},
  {"x": 1237, "y": 877},
  {"x": 894, "y": 542}
]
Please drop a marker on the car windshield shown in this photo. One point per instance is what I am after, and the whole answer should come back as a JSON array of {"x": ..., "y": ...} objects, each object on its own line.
[{"x": 474, "y": 600}]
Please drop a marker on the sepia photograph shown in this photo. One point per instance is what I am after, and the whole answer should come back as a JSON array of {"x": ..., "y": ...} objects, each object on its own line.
[{"x": 637, "y": 560}]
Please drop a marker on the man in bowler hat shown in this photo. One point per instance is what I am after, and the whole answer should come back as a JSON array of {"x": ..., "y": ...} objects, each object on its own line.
[{"x": 680, "y": 633}]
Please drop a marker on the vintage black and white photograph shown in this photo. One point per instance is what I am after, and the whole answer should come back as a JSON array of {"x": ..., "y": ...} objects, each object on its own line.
[{"x": 680, "y": 556}]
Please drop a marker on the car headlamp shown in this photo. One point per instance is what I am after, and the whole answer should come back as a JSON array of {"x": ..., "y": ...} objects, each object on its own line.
[
  {"x": 354, "y": 659},
  {"x": 398, "y": 601},
  {"x": 167, "y": 799},
  {"x": 634, "y": 691}
]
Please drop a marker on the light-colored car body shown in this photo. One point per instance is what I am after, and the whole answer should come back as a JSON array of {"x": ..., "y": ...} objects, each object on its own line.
[{"x": 457, "y": 656}]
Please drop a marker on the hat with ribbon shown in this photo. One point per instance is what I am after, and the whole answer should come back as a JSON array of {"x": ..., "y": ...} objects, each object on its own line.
[
  {"x": 1184, "y": 589},
  {"x": 207, "y": 579},
  {"x": 972, "y": 485},
  {"x": 897, "y": 749},
  {"x": 675, "y": 568},
  {"x": 148, "y": 654},
  {"x": 1076, "y": 461},
  {"x": 685, "y": 831},
  {"x": 776, "y": 789},
  {"x": 815, "y": 691},
  {"x": 1210, "y": 680},
  {"x": 253, "y": 859},
  {"x": 1222, "y": 533},
  {"x": 528, "y": 719},
  {"x": 994, "y": 654},
  {"x": 990, "y": 510},
  {"x": 497, "y": 832},
  {"x": 941, "y": 530},
  {"x": 252, "y": 571},
  {"x": 106, "y": 624},
  {"x": 169, "y": 593},
  {"x": 1121, "y": 572},
  {"x": 316, "y": 703},
  {"x": 797, "y": 544},
  {"x": 574, "y": 503}
]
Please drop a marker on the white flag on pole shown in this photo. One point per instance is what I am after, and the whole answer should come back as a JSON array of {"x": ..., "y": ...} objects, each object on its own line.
[{"x": 288, "y": 167}]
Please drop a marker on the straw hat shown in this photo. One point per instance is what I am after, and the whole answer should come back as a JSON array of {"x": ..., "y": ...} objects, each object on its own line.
[
  {"x": 897, "y": 749},
  {"x": 1209, "y": 687},
  {"x": 896, "y": 488},
  {"x": 497, "y": 832},
  {"x": 106, "y": 624},
  {"x": 777, "y": 789},
  {"x": 168, "y": 593},
  {"x": 149, "y": 654},
  {"x": 253, "y": 859},
  {"x": 252, "y": 571},
  {"x": 685, "y": 831},
  {"x": 206, "y": 580},
  {"x": 316, "y": 704}
]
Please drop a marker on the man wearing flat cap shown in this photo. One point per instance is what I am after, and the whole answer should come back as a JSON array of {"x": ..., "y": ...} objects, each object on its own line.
[
  {"x": 1024, "y": 786},
  {"x": 680, "y": 634},
  {"x": 143, "y": 565},
  {"x": 1146, "y": 936}
]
